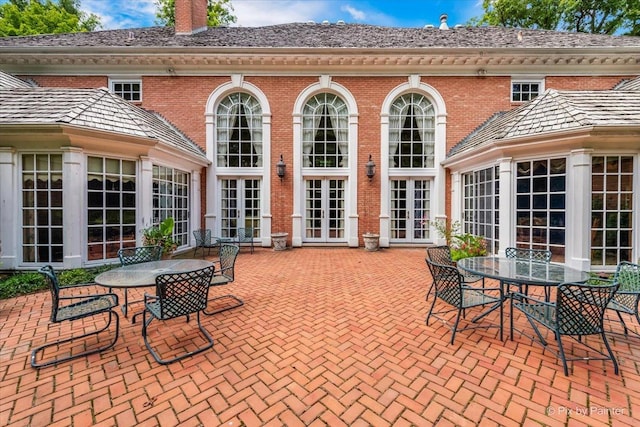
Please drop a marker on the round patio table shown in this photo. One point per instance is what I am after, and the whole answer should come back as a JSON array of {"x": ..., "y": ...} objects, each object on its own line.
[
  {"x": 522, "y": 271},
  {"x": 144, "y": 274}
]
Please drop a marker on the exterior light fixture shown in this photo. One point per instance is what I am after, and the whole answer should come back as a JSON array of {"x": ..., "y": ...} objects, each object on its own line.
[
  {"x": 370, "y": 167},
  {"x": 281, "y": 166}
]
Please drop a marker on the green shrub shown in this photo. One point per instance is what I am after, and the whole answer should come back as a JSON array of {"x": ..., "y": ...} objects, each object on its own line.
[
  {"x": 27, "y": 283},
  {"x": 21, "y": 284}
]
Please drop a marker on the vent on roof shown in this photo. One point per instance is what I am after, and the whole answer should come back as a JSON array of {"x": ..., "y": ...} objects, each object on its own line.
[
  {"x": 130, "y": 36},
  {"x": 429, "y": 26},
  {"x": 458, "y": 26},
  {"x": 310, "y": 21},
  {"x": 443, "y": 22},
  {"x": 325, "y": 22},
  {"x": 340, "y": 22}
]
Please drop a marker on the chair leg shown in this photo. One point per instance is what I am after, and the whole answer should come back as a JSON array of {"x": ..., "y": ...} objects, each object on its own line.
[
  {"x": 156, "y": 356},
  {"x": 613, "y": 358},
  {"x": 455, "y": 326},
  {"x": 562, "y": 356},
  {"x": 238, "y": 303},
  {"x": 431, "y": 309},
  {"x": 35, "y": 351},
  {"x": 624, "y": 325}
]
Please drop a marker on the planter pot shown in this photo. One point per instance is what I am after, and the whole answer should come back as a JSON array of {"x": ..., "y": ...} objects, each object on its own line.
[
  {"x": 279, "y": 241},
  {"x": 371, "y": 241}
]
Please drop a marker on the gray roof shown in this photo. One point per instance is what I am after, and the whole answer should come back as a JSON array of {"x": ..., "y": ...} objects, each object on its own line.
[
  {"x": 554, "y": 111},
  {"x": 7, "y": 81},
  {"x": 88, "y": 108},
  {"x": 313, "y": 35},
  {"x": 629, "y": 84}
]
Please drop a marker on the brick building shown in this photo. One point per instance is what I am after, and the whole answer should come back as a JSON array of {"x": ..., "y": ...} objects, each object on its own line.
[{"x": 517, "y": 134}]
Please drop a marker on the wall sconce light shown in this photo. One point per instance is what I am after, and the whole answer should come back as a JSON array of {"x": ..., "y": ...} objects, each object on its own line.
[
  {"x": 370, "y": 167},
  {"x": 281, "y": 166}
]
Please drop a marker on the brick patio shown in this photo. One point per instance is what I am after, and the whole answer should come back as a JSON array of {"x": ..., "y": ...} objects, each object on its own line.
[{"x": 327, "y": 337}]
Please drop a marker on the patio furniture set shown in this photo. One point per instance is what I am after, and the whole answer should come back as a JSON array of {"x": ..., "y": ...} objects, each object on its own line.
[
  {"x": 182, "y": 288},
  {"x": 570, "y": 303}
]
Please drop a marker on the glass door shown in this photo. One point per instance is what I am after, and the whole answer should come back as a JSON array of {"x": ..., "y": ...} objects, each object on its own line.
[
  {"x": 239, "y": 206},
  {"x": 324, "y": 210},
  {"x": 410, "y": 204}
]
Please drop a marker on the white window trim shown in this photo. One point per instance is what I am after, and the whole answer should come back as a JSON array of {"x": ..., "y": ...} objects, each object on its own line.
[
  {"x": 526, "y": 80},
  {"x": 135, "y": 80}
]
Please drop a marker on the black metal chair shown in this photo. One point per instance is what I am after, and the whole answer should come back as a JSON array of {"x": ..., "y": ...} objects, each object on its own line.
[
  {"x": 203, "y": 241},
  {"x": 450, "y": 288},
  {"x": 245, "y": 235},
  {"x": 442, "y": 255},
  {"x": 136, "y": 255},
  {"x": 577, "y": 312},
  {"x": 627, "y": 298},
  {"x": 541, "y": 255},
  {"x": 78, "y": 307},
  {"x": 178, "y": 294},
  {"x": 225, "y": 274}
]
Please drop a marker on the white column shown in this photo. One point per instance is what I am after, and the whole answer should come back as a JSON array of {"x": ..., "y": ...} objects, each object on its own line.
[
  {"x": 74, "y": 204},
  {"x": 298, "y": 182},
  {"x": 145, "y": 196},
  {"x": 506, "y": 205},
  {"x": 211, "y": 181},
  {"x": 195, "y": 205},
  {"x": 578, "y": 210},
  {"x": 352, "y": 184},
  {"x": 8, "y": 208}
]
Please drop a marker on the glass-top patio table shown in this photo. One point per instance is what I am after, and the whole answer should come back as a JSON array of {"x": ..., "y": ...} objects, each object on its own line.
[
  {"x": 522, "y": 271},
  {"x": 144, "y": 274}
]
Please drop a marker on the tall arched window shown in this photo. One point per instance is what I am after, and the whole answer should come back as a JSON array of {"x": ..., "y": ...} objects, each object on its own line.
[
  {"x": 325, "y": 132},
  {"x": 239, "y": 131},
  {"x": 411, "y": 132}
]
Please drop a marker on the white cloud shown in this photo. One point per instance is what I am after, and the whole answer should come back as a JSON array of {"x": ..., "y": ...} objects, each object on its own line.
[
  {"x": 122, "y": 13},
  {"x": 253, "y": 13},
  {"x": 356, "y": 14}
]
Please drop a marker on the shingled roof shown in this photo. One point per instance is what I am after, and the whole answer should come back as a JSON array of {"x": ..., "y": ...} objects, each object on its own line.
[
  {"x": 318, "y": 36},
  {"x": 88, "y": 108},
  {"x": 556, "y": 110}
]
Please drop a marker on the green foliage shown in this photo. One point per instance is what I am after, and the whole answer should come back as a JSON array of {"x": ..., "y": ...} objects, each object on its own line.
[
  {"x": 22, "y": 17},
  {"x": 161, "y": 235},
  {"x": 585, "y": 16},
  {"x": 462, "y": 245},
  {"x": 30, "y": 282},
  {"x": 218, "y": 13},
  {"x": 21, "y": 284}
]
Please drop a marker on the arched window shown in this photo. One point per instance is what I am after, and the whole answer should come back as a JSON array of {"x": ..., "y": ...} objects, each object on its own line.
[
  {"x": 411, "y": 132},
  {"x": 239, "y": 131},
  {"x": 325, "y": 132}
]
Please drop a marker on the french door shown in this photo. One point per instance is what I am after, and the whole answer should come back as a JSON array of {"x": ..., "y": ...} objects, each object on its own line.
[
  {"x": 324, "y": 210},
  {"x": 410, "y": 203},
  {"x": 239, "y": 206}
]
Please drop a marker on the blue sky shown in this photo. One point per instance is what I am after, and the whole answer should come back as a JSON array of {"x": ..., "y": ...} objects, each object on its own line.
[{"x": 400, "y": 13}]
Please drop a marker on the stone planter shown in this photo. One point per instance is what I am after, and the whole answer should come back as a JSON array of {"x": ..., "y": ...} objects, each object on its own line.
[
  {"x": 279, "y": 241},
  {"x": 371, "y": 241}
]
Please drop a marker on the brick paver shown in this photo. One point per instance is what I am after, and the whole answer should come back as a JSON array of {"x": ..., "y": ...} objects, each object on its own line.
[{"x": 327, "y": 336}]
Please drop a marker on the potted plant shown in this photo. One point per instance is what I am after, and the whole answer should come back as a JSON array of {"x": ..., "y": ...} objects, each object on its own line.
[
  {"x": 161, "y": 235},
  {"x": 462, "y": 245}
]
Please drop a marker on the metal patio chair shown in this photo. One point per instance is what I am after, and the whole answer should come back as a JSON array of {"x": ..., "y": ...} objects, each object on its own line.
[
  {"x": 225, "y": 274},
  {"x": 203, "y": 241},
  {"x": 442, "y": 255},
  {"x": 627, "y": 297},
  {"x": 78, "y": 307},
  {"x": 541, "y": 255},
  {"x": 136, "y": 255},
  {"x": 577, "y": 312},
  {"x": 245, "y": 235},
  {"x": 450, "y": 288},
  {"x": 177, "y": 294}
]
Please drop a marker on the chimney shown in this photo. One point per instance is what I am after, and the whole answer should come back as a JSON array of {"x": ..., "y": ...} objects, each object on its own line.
[
  {"x": 191, "y": 16},
  {"x": 443, "y": 22}
]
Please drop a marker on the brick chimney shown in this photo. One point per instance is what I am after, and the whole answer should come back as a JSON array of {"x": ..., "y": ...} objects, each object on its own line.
[{"x": 191, "y": 16}]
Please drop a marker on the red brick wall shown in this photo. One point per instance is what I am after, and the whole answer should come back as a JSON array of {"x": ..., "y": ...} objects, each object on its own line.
[{"x": 469, "y": 102}]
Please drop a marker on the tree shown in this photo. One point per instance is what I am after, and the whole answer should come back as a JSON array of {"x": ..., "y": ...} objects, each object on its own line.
[
  {"x": 29, "y": 17},
  {"x": 585, "y": 16},
  {"x": 218, "y": 13}
]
